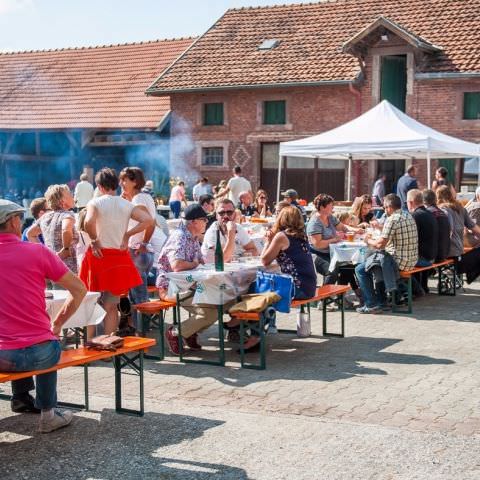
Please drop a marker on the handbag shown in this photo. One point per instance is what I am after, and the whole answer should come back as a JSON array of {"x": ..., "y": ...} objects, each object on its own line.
[
  {"x": 281, "y": 284},
  {"x": 105, "y": 342}
]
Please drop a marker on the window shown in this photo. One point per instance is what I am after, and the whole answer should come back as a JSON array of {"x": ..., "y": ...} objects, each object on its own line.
[
  {"x": 212, "y": 156},
  {"x": 471, "y": 106},
  {"x": 274, "y": 112},
  {"x": 213, "y": 114}
]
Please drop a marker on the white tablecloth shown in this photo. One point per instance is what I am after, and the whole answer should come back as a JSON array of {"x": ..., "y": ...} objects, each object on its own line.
[
  {"x": 216, "y": 288},
  {"x": 89, "y": 312},
  {"x": 346, "y": 252}
]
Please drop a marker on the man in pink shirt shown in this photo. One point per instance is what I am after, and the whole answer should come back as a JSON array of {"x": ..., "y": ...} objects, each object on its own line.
[{"x": 28, "y": 341}]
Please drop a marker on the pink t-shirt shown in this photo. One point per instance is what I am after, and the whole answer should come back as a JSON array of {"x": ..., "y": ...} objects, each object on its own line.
[
  {"x": 177, "y": 194},
  {"x": 24, "y": 267}
]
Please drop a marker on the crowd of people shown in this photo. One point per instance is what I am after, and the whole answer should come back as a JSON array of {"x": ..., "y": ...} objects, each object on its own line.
[{"x": 116, "y": 243}]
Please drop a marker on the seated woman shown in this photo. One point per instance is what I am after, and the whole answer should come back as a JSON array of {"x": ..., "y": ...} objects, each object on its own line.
[
  {"x": 460, "y": 221},
  {"x": 261, "y": 204},
  {"x": 323, "y": 229},
  {"x": 362, "y": 209},
  {"x": 288, "y": 244}
]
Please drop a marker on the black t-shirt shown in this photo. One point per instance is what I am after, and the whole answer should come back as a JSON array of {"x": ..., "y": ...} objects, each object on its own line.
[
  {"x": 247, "y": 211},
  {"x": 427, "y": 228},
  {"x": 443, "y": 237}
]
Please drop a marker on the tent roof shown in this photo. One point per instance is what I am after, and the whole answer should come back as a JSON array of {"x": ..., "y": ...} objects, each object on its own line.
[{"x": 382, "y": 132}]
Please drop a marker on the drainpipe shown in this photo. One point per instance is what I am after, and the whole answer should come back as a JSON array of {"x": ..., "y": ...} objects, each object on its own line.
[{"x": 358, "y": 111}]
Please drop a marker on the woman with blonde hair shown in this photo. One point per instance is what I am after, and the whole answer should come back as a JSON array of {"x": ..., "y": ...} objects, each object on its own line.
[
  {"x": 362, "y": 209},
  {"x": 57, "y": 225},
  {"x": 287, "y": 243},
  {"x": 459, "y": 219}
]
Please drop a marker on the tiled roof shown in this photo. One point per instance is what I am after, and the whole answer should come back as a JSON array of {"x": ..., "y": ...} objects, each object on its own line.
[
  {"x": 99, "y": 87},
  {"x": 311, "y": 38}
]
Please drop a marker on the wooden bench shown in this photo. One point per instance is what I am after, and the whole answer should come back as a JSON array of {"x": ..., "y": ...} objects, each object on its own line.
[
  {"x": 83, "y": 356},
  {"x": 153, "y": 312},
  {"x": 326, "y": 294},
  {"x": 445, "y": 285}
]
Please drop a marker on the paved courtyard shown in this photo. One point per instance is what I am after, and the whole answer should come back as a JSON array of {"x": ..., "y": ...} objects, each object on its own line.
[{"x": 396, "y": 399}]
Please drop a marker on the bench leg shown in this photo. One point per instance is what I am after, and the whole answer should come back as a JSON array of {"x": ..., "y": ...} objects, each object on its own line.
[
  {"x": 326, "y": 333},
  {"x": 120, "y": 362},
  {"x": 161, "y": 338},
  {"x": 221, "y": 340}
]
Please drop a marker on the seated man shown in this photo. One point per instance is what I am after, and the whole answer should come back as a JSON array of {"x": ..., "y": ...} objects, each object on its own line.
[
  {"x": 427, "y": 229},
  {"x": 208, "y": 204},
  {"x": 246, "y": 206},
  {"x": 27, "y": 339},
  {"x": 473, "y": 210},
  {"x": 399, "y": 239},
  {"x": 234, "y": 239},
  {"x": 443, "y": 225},
  {"x": 182, "y": 252}
]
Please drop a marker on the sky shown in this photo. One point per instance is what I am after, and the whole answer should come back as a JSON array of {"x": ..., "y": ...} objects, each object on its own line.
[{"x": 47, "y": 24}]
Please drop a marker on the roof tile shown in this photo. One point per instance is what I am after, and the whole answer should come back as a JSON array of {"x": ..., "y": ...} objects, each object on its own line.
[
  {"x": 311, "y": 38},
  {"x": 94, "y": 87}
]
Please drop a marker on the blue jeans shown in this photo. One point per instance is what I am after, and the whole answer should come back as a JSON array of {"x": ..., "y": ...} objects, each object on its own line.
[
  {"x": 372, "y": 294},
  {"x": 175, "y": 207},
  {"x": 36, "y": 357},
  {"x": 143, "y": 262}
]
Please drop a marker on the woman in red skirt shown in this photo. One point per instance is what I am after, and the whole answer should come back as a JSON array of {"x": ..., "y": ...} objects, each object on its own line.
[{"x": 107, "y": 266}]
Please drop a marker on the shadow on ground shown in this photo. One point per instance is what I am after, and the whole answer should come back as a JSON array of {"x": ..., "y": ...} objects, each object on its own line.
[
  {"x": 313, "y": 358},
  {"x": 113, "y": 447}
]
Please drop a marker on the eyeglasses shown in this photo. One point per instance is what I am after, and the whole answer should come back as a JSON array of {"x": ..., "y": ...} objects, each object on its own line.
[{"x": 226, "y": 212}]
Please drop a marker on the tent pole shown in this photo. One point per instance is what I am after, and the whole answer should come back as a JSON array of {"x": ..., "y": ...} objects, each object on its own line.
[
  {"x": 280, "y": 164},
  {"x": 349, "y": 178},
  {"x": 429, "y": 169}
]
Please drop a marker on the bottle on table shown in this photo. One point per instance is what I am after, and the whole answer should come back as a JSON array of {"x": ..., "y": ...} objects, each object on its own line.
[{"x": 219, "y": 267}]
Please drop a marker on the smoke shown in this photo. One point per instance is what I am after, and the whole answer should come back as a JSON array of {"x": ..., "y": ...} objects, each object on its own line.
[{"x": 182, "y": 150}]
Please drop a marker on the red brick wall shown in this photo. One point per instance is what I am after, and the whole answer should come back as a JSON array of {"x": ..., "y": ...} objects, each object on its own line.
[{"x": 310, "y": 110}]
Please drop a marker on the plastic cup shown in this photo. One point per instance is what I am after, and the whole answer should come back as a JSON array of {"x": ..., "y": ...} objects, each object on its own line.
[{"x": 350, "y": 236}]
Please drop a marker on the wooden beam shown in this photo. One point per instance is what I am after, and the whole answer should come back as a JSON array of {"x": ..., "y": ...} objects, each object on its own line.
[{"x": 32, "y": 158}]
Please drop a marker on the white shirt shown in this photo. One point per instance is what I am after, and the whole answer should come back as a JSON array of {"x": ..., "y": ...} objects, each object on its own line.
[
  {"x": 210, "y": 241},
  {"x": 238, "y": 185},
  {"x": 113, "y": 215},
  {"x": 201, "y": 189},
  {"x": 83, "y": 193},
  {"x": 147, "y": 201}
]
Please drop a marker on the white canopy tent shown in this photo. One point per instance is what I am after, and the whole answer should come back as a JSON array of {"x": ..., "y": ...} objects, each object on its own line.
[{"x": 383, "y": 132}]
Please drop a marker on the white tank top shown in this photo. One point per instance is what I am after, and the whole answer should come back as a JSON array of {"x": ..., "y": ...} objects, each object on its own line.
[{"x": 113, "y": 215}]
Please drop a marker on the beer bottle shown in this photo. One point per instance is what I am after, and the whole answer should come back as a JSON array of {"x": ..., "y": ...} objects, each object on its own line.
[{"x": 218, "y": 253}]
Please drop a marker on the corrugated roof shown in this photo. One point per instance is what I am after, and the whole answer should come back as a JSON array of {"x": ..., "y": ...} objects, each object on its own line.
[
  {"x": 96, "y": 87},
  {"x": 310, "y": 42}
]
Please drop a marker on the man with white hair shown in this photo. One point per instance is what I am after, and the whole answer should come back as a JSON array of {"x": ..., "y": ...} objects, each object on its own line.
[
  {"x": 473, "y": 207},
  {"x": 83, "y": 192},
  {"x": 245, "y": 205}
]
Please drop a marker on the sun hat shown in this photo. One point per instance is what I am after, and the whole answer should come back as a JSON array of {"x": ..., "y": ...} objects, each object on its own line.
[{"x": 8, "y": 209}]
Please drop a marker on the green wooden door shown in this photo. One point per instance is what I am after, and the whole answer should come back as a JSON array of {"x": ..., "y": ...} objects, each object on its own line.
[{"x": 394, "y": 80}]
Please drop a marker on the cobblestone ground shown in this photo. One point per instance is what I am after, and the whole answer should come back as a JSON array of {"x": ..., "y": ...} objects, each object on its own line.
[{"x": 396, "y": 399}]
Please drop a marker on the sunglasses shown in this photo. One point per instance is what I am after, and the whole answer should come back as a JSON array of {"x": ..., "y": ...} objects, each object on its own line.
[
  {"x": 226, "y": 212},
  {"x": 262, "y": 198}
]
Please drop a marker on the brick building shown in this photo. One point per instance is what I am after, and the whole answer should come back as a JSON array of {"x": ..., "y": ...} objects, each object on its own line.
[
  {"x": 264, "y": 75},
  {"x": 63, "y": 110}
]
